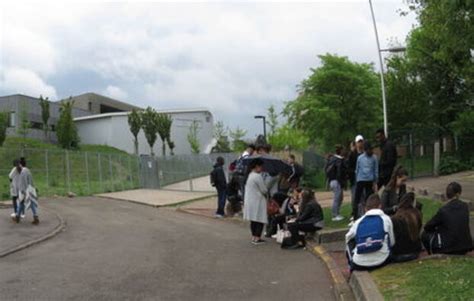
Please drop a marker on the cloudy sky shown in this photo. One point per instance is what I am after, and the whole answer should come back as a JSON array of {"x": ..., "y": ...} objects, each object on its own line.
[{"x": 234, "y": 58}]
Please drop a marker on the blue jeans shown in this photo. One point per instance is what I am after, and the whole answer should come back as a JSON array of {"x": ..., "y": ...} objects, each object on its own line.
[
  {"x": 338, "y": 197},
  {"x": 21, "y": 208},
  {"x": 221, "y": 197}
]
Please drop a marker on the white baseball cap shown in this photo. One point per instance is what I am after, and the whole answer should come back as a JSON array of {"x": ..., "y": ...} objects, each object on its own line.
[{"x": 359, "y": 138}]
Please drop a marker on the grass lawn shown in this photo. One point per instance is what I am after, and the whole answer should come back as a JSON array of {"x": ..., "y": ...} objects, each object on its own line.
[
  {"x": 449, "y": 278},
  {"x": 89, "y": 170},
  {"x": 430, "y": 207},
  {"x": 422, "y": 166}
]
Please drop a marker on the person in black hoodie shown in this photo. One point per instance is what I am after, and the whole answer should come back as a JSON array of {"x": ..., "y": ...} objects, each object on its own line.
[
  {"x": 448, "y": 231},
  {"x": 388, "y": 158},
  {"x": 336, "y": 175},
  {"x": 310, "y": 219},
  {"x": 219, "y": 181}
]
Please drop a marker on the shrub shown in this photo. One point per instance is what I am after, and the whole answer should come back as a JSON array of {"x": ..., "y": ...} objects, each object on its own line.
[{"x": 450, "y": 164}]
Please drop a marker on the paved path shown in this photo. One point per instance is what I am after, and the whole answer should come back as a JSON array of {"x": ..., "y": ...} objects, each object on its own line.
[
  {"x": 13, "y": 235},
  {"x": 123, "y": 251},
  {"x": 155, "y": 197},
  {"x": 438, "y": 184}
]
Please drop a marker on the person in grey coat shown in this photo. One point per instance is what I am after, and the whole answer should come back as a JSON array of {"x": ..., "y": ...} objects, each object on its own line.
[
  {"x": 26, "y": 180},
  {"x": 14, "y": 177},
  {"x": 255, "y": 201}
]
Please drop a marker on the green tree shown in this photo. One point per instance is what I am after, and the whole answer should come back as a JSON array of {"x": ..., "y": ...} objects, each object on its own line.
[
  {"x": 272, "y": 119},
  {"x": 44, "y": 103},
  {"x": 4, "y": 118},
  {"x": 287, "y": 136},
  {"x": 440, "y": 50},
  {"x": 135, "y": 124},
  {"x": 463, "y": 127},
  {"x": 193, "y": 137},
  {"x": 222, "y": 141},
  {"x": 164, "y": 123},
  {"x": 237, "y": 135},
  {"x": 171, "y": 146},
  {"x": 149, "y": 126},
  {"x": 25, "y": 124},
  {"x": 338, "y": 100},
  {"x": 66, "y": 131}
]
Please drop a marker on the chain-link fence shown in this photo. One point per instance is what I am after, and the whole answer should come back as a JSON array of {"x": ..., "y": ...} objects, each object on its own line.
[{"x": 57, "y": 172}]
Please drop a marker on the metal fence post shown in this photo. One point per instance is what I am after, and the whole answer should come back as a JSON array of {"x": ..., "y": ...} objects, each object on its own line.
[
  {"x": 110, "y": 173},
  {"x": 47, "y": 169},
  {"x": 68, "y": 172},
  {"x": 100, "y": 173},
  {"x": 87, "y": 173},
  {"x": 130, "y": 171}
]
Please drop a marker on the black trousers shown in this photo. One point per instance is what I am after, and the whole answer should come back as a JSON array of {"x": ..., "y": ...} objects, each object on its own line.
[
  {"x": 14, "y": 199},
  {"x": 295, "y": 228},
  {"x": 273, "y": 223},
  {"x": 256, "y": 228},
  {"x": 362, "y": 188}
]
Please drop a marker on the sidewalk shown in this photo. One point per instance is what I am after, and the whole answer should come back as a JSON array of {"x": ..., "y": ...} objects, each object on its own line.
[{"x": 13, "y": 235}]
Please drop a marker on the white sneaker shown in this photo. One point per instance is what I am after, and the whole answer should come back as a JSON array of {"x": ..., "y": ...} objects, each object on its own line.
[
  {"x": 22, "y": 216},
  {"x": 338, "y": 218},
  {"x": 13, "y": 214},
  {"x": 218, "y": 216}
]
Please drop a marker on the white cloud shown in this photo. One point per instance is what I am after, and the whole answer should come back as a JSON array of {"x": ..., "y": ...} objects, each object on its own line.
[
  {"x": 23, "y": 81},
  {"x": 116, "y": 92}
]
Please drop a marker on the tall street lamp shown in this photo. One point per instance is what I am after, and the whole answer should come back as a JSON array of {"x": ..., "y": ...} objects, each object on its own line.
[
  {"x": 264, "y": 125},
  {"x": 384, "y": 101}
]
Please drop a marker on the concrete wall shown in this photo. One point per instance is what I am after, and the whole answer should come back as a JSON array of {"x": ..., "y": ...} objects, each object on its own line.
[
  {"x": 14, "y": 104},
  {"x": 92, "y": 102},
  {"x": 113, "y": 130}
]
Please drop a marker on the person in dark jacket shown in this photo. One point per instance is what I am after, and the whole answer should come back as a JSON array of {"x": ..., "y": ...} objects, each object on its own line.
[
  {"x": 388, "y": 158},
  {"x": 394, "y": 190},
  {"x": 219, "y": 181},
  {"x": 310, "y": 219},
  {"x": 357, "y": 149},
  {"x": 336, "y": 175},
  {"x": 407, "y": 223},
  {"x": 448, "y": 230}
]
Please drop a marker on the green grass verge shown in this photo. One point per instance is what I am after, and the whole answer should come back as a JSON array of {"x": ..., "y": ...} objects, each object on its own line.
[
  {"x": 421, "y": 166},
  {"x": 91, "y": 169},
  {"x": 430, "y": 207},
  {"x": 431, "y": 279}
]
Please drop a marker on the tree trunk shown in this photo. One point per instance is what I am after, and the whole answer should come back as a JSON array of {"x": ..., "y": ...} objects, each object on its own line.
[
  {"x": 136, "y": 146},
  {"x": 163, "y": 148}
]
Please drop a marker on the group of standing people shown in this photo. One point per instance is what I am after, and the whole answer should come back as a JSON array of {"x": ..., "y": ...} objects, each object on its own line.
[{"x": 22, "y": 192}]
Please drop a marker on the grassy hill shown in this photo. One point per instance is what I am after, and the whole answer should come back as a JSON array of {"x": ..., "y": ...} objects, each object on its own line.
[{"x": 88, "y": 170}]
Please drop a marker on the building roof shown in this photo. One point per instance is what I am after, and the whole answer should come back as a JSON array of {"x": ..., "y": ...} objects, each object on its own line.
[
  {"x": 176, "y": 111},
  {"x": 95, "y": 95}
]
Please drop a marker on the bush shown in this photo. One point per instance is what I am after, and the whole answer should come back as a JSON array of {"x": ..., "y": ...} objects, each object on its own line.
[
  {"x": 314, "y": 178},
  {"x": 451, "y": 164}
]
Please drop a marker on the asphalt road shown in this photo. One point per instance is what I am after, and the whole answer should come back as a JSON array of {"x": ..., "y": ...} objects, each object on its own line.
[{"x": 121, "y": 251}]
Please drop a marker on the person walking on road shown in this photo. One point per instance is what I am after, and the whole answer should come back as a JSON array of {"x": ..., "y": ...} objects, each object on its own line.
[
  {"x": 336, "y": 175},
  {"x": 27, "y": 194},
  {"x": 366, "y": 177},
  {"x": 388, "y": 158},
  {"x": 219, "y": 181},
  {"x": 255, "y": 201},
  {"x": 14, "y": 177}
]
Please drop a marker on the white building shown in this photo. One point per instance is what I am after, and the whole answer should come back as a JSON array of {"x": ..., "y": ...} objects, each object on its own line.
[{"x": 112, "y": 129}]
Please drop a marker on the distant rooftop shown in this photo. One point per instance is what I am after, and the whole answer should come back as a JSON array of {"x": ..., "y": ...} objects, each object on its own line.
[{"x": 169, "y": 111}]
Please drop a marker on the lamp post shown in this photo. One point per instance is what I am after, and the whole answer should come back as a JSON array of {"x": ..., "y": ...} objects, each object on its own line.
[
  {"x": 264, "y": 125},
  {"x": 384, "y": 101}
]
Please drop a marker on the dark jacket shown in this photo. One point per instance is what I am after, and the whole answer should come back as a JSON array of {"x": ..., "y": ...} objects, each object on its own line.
[
  {"x": 452, "y": 223},
  {"x": 311, "y": 213},
  {"x": 391, "y": 199},
  {"x": 403, "y": 244},
  {"x": 340, "y": 170},
  {"x": 388, "y": 159},
  {"x": 351, "y": 166},
  {"x": 218, "y": 179}
]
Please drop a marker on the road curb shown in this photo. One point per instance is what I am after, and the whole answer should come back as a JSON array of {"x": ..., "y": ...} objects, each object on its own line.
[
  {"x": 342, "y": 290},
  {"x": 364, "y": 287},
  {"x": 332, "y": 235},
  {"x": 59, "y": 228}
]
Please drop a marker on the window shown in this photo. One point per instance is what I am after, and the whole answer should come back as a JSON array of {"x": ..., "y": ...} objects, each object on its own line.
[
  {"x": 89, "y": 105},
  {"x": 53, "y": 128},
  {"x": 12, "y": 119},
  {"x": 36, "y": 125}
]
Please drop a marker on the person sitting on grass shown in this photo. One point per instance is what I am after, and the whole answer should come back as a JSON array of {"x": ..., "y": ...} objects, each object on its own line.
[
  {"x": 448, "y": 230},
  {"x": 370, "y": 238},
  {"x": 394, "y": 190},
  {"x": 407, "y": 223},
  {"x": 310, "y": 219}
]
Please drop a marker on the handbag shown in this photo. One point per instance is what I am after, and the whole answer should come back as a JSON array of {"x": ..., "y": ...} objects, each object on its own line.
[
  {"x": 281, "y": 235},
  {"x": 273, "y": 208}
]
